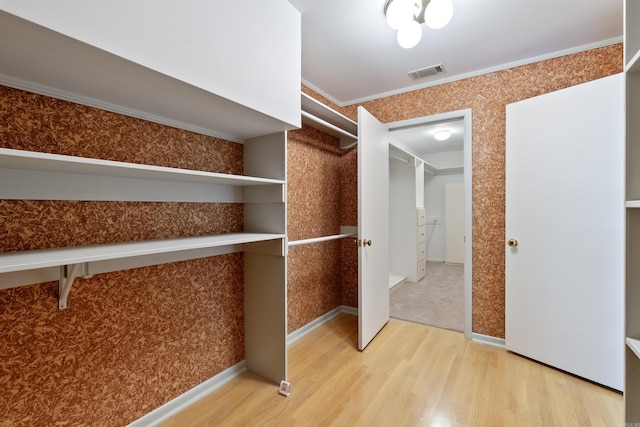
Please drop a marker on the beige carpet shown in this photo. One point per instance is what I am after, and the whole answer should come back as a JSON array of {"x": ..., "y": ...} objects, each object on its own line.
[{"x": 437, "y": 300}]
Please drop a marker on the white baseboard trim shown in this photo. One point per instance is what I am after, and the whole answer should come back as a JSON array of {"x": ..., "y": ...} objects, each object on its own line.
[
  {"x": 297, "y": 334},
  {"x": 487, "y": 339},
  {"x": 174, "y": 406},
  {"x": 349, "y": 310}
]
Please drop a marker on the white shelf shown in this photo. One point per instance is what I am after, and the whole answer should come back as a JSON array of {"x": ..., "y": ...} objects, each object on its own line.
[
  {"x": 43, "y": 258},
  {"x": 634, "y": 345},
  {"x": 321, "y": 117},
  {"x": 632, "y": 204},
  {"x": 84, "y": 74},
  {"x": 331, "y": 129},
  {"x": 35, "y": 161},
  {"x": 42, "y": 176}
]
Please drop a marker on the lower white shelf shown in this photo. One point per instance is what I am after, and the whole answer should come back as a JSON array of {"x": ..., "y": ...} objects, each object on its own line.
[
  {"x": 65, "y": 264},
  {"x": 634, "y": 345},
  {"x": 42, "y": 258}
]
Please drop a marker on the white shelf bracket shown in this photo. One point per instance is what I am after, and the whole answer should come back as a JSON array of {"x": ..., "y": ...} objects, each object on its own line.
[{"x": 68, "y": 274}]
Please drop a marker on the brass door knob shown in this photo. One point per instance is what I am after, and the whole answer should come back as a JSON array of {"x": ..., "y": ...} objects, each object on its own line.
[
  {"x": 512, "y": 242},
  {"x": 366, "y": 242}
]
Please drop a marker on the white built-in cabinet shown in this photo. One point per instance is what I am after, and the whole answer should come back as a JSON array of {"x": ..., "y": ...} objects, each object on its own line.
[
  {"x": 421, "y": 252},
  {"x": 632, "y": 305},
  {"x": 407, "y": 222},
  {"x": 73, "y": 51}
]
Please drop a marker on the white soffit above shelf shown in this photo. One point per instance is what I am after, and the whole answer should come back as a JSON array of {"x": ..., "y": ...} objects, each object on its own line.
[{"x": 43, "y": 61}]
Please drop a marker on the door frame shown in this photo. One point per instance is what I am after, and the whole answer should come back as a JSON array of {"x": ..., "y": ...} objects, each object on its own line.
[{"x": 466, "y": 116}]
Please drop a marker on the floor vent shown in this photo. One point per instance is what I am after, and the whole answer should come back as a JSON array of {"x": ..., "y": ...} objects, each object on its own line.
[{"x": 426, "y": 72}]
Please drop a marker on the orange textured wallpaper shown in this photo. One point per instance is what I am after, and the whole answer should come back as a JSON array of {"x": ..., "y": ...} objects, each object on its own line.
[
  {"x": 129, "y": 340},
  {"x": 487, "y": 95},
  {"x": 317, "y": 187}
]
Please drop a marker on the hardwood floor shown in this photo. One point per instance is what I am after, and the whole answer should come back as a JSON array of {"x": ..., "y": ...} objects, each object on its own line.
[{"x": 410, "y": 375}]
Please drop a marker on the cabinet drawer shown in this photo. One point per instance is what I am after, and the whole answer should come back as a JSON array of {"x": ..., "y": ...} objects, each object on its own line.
[
  {"x": 421, "y": 233},
  {"x": 422, "y": 269},
  {"x": 421, "y": 252},
  {"x": 422, "y": 219}
]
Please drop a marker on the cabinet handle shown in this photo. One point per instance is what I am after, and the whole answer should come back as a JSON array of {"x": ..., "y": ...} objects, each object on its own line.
[{"x": 512, "y": 242}]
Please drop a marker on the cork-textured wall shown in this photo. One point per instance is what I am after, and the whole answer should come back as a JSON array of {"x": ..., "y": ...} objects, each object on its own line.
[
  {"x": 487, "y": 95},
  {"x": 318, "y": 189},
  {"x": 129, "y": 340}
]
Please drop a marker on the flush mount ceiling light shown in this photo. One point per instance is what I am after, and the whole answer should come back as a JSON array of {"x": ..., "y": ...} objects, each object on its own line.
[
  {"x": 442, "y": 134},
  {"x": 407, "y": 15}
]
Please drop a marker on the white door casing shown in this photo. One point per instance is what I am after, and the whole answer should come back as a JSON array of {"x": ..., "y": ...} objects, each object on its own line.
[
  {"x": 373, "y": 227},
  {"x": 565, "y": 208}
]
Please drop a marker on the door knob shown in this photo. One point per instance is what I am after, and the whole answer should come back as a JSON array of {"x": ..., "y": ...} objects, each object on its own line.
[
  {"x": 366, "y": 242},
  {"x": 512, "y": 242}
]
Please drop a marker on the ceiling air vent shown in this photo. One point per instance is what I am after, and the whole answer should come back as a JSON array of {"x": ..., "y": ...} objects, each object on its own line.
[{"x": 427, "y": 71}]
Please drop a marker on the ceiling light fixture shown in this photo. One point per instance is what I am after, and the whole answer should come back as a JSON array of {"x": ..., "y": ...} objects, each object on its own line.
[
  {"x": 407, "y": 15},
  {"x": 442, "y": 134}
]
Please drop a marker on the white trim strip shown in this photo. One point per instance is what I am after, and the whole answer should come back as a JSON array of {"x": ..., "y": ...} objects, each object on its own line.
[
  {"x": 181, "y": 402},
  {"x": 299, "y": 333},
  {"x": 486, "y": 339}
]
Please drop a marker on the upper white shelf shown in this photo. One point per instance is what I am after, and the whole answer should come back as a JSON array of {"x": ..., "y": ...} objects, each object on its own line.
[
  {"x": 40, "y": 60},
  {"x": 633, "y": 204},
  {"x": 43, "y": 258},
  {"x": 319, "y": 116}
]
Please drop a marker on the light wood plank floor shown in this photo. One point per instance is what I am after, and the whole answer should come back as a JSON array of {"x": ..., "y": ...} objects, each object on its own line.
[{"x": 410, "y": 375}]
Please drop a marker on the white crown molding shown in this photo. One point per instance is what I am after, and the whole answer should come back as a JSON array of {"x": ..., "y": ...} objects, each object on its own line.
[
  {"x": 96, "y": 103},
  {"x": 476, "y": 73}
]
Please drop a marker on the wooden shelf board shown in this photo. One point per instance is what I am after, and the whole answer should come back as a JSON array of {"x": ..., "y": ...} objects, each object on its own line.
[
  {"x": 28, "y": 160},
  {"x": 42, "y": 258}
]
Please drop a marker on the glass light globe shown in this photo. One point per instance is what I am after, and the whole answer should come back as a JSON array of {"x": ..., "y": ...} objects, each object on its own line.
[
  {"x": 438, "y": 13},
  {"x": 410, "y": 34},
  {"x": 400, "y": 12},
  {"x": 442, "y": 134}
]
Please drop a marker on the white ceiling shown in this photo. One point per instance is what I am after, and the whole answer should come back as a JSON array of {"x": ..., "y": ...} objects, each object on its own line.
[
  {"x": 421, "y": 141},
  {"x": 350, "y": 55}
]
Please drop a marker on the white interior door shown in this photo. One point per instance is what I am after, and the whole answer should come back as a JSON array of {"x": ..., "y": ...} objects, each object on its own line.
[
  {"x": 373, "y": 227},
  {"x": 565, "y": 207}
]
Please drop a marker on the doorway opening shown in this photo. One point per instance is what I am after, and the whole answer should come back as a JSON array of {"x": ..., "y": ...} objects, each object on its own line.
[{"x": 436, "y": 175}]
